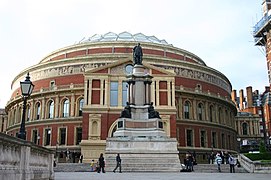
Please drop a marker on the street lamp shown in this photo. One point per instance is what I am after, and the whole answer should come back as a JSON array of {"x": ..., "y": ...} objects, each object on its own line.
[
  {"x": 239, "y": 144},
  {"x": 26, "y": 87}
]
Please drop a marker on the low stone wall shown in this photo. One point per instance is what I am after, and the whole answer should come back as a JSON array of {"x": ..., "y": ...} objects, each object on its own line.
[
  {"x": 254, "y": 166},
  {"x": 23, "y": 160}
]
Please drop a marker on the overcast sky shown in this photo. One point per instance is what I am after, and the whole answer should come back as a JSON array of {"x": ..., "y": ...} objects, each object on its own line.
[{"x": 219, "y": 32}]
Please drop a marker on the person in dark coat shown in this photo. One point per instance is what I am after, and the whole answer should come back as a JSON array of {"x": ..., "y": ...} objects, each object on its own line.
[
  {"x": 101, "y": 163},
  {"x": 118, "y": 160}
]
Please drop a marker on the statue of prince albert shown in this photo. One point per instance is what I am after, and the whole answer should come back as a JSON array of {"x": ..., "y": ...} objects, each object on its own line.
[{"x": 137, "y": 54}]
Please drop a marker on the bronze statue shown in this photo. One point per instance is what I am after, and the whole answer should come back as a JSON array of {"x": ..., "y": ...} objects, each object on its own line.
[
  {"x": 126, "y": 113},
  {"x": 137, "y": 54},
  {"x": 152, "y": 112}
]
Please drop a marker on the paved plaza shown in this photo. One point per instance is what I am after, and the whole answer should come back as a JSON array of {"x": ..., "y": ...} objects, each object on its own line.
[{"x": 159, "y": 176}]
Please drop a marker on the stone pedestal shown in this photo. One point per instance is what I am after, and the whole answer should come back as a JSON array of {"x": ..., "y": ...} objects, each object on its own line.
[
  {"x": 91, "y": 149},
  {"x": 140, "y": 139},
  {"x": 143, "y": 154}
]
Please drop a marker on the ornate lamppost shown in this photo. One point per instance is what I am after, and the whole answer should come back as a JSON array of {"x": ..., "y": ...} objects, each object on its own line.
[{"x": 26, "y": 87}]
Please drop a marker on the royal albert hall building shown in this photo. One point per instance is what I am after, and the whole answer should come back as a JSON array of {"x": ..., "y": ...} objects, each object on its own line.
[{"x": 80, "y": 91}]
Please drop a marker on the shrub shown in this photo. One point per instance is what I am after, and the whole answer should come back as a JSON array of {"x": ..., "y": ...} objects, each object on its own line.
[
  {"x": 262, "y": 147},
  {"x": 258, "y": 156}
]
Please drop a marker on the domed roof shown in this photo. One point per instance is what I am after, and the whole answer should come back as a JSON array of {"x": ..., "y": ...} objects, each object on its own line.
[{"x": 124, "y": 36}]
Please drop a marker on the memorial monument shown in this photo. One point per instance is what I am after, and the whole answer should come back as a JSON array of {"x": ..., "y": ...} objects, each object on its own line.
[{"x": 140, "y": 138}]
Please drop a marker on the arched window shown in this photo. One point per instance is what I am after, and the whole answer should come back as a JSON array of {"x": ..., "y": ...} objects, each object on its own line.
[
  {"x": 200, "y": 111},
  {"x": 66, "y": 108},
  {"x": 81, "y": 104},
  {"x": 38, "y": 111},
  {"x": 211, "y": 109},
  {"x": 51, "y": 107},
  {"x": 187, "y": 109},
  {"x": 245, "y": 128}
]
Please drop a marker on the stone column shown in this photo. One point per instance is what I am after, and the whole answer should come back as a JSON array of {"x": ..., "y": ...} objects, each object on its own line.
[
  {"x": 72, "y": 104},
  {"x": 43, "y": 108},
  {"x": 129, "y": 91},
  {"x": 119, "y": 92},
  {"x": 195, "y": 109},
  {"x": 89, "y": 91},
  {"x": 173, "y": 93},
  {"x": 157, "y": 93},
  {"x": 57, "y": 107},
  {"x": 180, "y": 108},
  {"x": 133, "y": 92},
  {"x": 32, "y": 110},
  {"x": 147, "y": 92},
  {"x": 85, "y": 91},
  {"x": 101, "y": 92},
  {"x": 139, "y": 92},
  {"x": 169, "y": 97}
]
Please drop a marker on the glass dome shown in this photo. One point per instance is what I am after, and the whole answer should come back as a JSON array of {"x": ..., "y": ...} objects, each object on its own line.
[{"x": 125, "y": 36}]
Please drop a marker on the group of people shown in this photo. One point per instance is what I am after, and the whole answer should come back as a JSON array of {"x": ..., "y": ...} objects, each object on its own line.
[
  {"x": 229, "y": 160},
  {"x": 189, "y": 161},
  {"x": 100, "y": 165},
  {"x": 218, "y": 158}
]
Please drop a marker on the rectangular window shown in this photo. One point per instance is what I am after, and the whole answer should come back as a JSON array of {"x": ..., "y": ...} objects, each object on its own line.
[
  {"x": 203, "y": 138},
  {"x": 47, "y": 136},
  {"x": 163, "y": 96},
  {"x": 96, "y": 91},
  {"x": 114, "y": 93},
  {"x": 62, "y": 136},
  {"x": 189, "y": 137},
  {"x": 35, "y": 136},
  {"x": 78, "y": 135},
  {"x": 214, "y": 139},
  {"x": 124, "y": 93},
  {"x": 186, "y": 111}
]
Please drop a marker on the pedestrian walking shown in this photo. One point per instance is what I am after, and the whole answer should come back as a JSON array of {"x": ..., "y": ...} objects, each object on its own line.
[
  {"x": 81, "y": 158},
  {"x": 101, "y": 163},
  {"x": 118, "y": 165},
  {"x": 232, "y": 163},
  {"x": 218, "y": 161}
]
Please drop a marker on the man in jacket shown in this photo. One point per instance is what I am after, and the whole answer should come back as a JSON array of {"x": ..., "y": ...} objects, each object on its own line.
[{"x": 118, "y": 160}]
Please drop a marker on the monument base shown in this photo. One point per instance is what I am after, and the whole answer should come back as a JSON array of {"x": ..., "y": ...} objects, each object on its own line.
[
  {"x": 143, "y": 154},
  {"x": 91, "y": 149}
]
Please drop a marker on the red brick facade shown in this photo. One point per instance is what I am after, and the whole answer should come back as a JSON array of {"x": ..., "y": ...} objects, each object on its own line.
[{"x": 73, "y": 86}]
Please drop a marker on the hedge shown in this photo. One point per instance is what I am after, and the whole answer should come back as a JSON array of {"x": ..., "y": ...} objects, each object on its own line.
[{"x": 258, "y": 156}]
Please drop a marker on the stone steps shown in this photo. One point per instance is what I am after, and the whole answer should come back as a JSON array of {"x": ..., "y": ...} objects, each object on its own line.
[
  {"x": 147, "y": 167},
  {"x": 212, "y": 168},
  {"x": 145, "y": 163}
]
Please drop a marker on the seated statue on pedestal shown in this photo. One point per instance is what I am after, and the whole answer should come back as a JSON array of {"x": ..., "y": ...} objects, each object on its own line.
[
  {"x": 126, "y": 113},
  {"x": 152, "y": 112}
]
